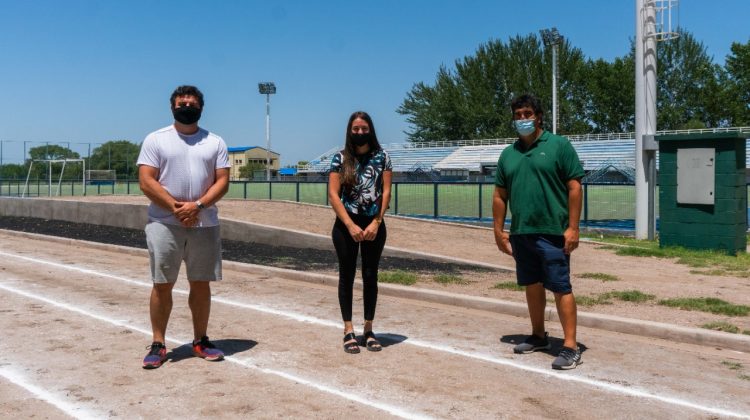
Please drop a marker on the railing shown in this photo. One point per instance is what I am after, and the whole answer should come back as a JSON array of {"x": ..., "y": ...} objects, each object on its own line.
[
  {"x": 604, "y": 205},
  {"x": 509, "y": 140}
]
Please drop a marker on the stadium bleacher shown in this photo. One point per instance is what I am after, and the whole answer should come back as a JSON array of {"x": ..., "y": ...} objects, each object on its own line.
[
  {"x": 593, "y": 155},
  {"x": 594, "y": 151},
  {"x": 471, "y": 158},
  {"x": 406, "y": 157}
]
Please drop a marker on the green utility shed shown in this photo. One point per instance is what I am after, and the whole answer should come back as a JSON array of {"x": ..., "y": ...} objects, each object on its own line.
[{"x": 703, "y": 191}]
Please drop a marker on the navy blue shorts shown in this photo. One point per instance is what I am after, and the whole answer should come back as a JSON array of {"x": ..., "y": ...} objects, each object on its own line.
[{"x": 540, "y": 258}]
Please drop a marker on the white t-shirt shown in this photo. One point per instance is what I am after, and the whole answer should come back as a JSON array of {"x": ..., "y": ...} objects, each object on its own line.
[{"x": 187, "y": 169}]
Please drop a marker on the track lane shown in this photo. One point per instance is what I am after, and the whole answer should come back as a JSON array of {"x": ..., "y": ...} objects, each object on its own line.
[{"x": 461, "y": 360}]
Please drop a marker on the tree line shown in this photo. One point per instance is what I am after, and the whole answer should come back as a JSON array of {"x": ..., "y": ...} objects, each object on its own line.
[
  {"x": 117, "y": 155},
  {"x": 472, "y": 99}
]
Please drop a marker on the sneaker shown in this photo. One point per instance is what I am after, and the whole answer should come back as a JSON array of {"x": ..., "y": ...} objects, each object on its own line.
[
  {"x": 567, "y": 359},
  {"x": 532, "y": 343},
  {"x": 206, "y": 349},
  {"x": 156, "y": 356}
]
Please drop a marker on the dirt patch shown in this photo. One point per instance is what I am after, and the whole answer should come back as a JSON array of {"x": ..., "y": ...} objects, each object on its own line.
[
  {"x": 302, "y": 259},
  {"x": 663, "y": 278}
]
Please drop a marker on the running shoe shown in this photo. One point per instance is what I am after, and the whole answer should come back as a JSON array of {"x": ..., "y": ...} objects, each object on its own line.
[
  {"x": 533, "y": 343},
  {"x": 567, "y": 359},
  {"x": 156, "y": 356},
  {"x": 207, "y": 350}
]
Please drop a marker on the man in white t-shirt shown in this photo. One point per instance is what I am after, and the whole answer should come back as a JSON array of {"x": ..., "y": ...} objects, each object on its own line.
[{"x": 184, "y": 170}]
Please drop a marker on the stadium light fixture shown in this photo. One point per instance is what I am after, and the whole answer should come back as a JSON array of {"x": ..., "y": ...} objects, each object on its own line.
[
  {"x": 268, "y": 89},
  {"x": 552, "y": 38}
]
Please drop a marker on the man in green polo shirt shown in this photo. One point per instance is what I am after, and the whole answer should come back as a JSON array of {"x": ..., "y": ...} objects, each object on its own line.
[{"x": 540, "y": 177}]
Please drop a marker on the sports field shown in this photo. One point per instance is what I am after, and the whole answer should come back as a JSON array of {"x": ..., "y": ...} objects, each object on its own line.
[
  {"x": 457, "y": 200},
  {"x": 605, "y": 205}
]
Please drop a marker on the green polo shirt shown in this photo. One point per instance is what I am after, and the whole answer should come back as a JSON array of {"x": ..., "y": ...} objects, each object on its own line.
[{"x": 536, "y": 181}]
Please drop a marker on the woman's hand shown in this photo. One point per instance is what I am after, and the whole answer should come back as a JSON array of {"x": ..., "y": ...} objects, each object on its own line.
[
  {"x": 356, "y": 232},
  {"x": 372, "y": 230}
]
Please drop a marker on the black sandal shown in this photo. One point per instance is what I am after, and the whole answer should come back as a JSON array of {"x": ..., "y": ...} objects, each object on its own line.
[
  {"x": 352, "y": 348},
  {"x": 371, "y": 342}
]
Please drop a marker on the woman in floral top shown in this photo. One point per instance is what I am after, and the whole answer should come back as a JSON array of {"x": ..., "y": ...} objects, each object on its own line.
[{"x": 359, "y": 191}]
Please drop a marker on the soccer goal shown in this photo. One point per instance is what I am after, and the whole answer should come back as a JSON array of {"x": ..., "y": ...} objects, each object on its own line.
[
  {"x": 100, "y": 177},
  {"x": 49, "y": 163}
]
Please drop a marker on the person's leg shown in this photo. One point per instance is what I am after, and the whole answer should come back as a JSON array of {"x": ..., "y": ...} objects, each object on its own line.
[
  {"x": 371, "y": 253},
  {"x": 536, "y": 300},
  {"x": 529, "y": 274},
  {"x": 568, "y": 313},
  {"x": 166, "y": 247},
  {"x": 557, "y": 270},
  {"x": 203, "y": 266},
  {"x": 203, "y": 263},
  {"x": 346, "y": 252},
  {"x": 160, "y": 307},
  {"x": 199, "y": 301}
]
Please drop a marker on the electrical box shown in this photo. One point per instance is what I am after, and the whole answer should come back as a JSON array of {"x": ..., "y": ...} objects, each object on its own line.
[
  {"x": 703, "y": 191},
  {"x": 695, "y": 175}
]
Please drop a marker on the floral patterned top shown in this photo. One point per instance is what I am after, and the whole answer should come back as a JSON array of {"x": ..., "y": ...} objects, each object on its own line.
[{"x": 365, "y": 197}]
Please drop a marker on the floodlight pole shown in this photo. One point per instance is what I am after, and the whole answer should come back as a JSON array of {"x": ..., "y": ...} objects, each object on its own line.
[
  {"x": 268, "y": 88},
  {"x": 554, "y": 88},
  {"x": 268, "y": 136},
  {"x": 645, "y": 119},
  {"x": 551, "y": 38}
]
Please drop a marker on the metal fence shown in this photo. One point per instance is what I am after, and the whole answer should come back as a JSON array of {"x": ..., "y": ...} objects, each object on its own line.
[{"x": 604, "y": 205}]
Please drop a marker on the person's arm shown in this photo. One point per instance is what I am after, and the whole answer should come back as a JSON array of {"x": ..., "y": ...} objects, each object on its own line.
[
  {"x": 575, "y": 202},
  {"x": 149, "y": 183},
  {"x": 334, "y": 186},
  {"x": 189, "y": 210},
  {"x": 499, "y": 209},
  {"x": 372, "y": 229}
]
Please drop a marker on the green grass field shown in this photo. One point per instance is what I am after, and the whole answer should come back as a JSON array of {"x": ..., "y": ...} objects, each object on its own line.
[{"x": 601, "y": 202}]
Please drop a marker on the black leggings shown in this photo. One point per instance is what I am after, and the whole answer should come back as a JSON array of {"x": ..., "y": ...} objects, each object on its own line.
[{"x": 346, "y": 250}]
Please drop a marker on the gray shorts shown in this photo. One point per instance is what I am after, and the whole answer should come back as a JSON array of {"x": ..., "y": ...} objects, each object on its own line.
[{"x": 169, "y": 245}]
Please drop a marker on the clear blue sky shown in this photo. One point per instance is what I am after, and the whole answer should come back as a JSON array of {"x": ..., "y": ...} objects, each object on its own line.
[{"x": 86, "y": 72}]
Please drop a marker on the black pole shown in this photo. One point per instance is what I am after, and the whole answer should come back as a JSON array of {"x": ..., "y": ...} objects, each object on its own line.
[
  {"x": 586, "y": 204},
  {"x": 480, "y": 200},
  {"x": 435, "y": 199}
]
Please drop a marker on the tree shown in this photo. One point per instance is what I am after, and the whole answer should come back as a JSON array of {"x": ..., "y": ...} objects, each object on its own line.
[
  {"x": 117, "y": 155},
  {"x": 610, "y": 108},
  {"x": 737, "y": 95},
  {"x": 13, "y": 171},
  {"x": 688, "y": 88},
  {"x": 594, "y": 96},
  {"x": 473, "y": 101},
  {"x": 249, "y": 169}
]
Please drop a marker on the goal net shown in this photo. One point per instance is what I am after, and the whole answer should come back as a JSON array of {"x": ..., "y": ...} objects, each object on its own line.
[{"x": 100, "y": 177}]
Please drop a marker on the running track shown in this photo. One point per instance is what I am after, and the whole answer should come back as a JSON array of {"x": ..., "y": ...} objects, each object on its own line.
[{"x": 75, "y": 326}]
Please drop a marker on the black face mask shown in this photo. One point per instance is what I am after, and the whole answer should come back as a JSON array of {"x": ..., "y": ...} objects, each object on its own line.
[
  {"x": 360, "y": 139},
  {"x": 186, "y": 115}
]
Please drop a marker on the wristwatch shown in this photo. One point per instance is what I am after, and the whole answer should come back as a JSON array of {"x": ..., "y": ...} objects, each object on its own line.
[{"x": 199, "y": 204}]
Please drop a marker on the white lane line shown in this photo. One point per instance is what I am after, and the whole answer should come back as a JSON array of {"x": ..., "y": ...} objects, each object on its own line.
[
  {"x": 46, "y": 396},
  {"x": 565, "y": 376},
  {"x": 364, "y": 400}
]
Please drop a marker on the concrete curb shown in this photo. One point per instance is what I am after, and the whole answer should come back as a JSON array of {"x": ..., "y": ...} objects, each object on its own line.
[
  {"x": 631, "y": 326},
  {"x": 134, "y": 216}
]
